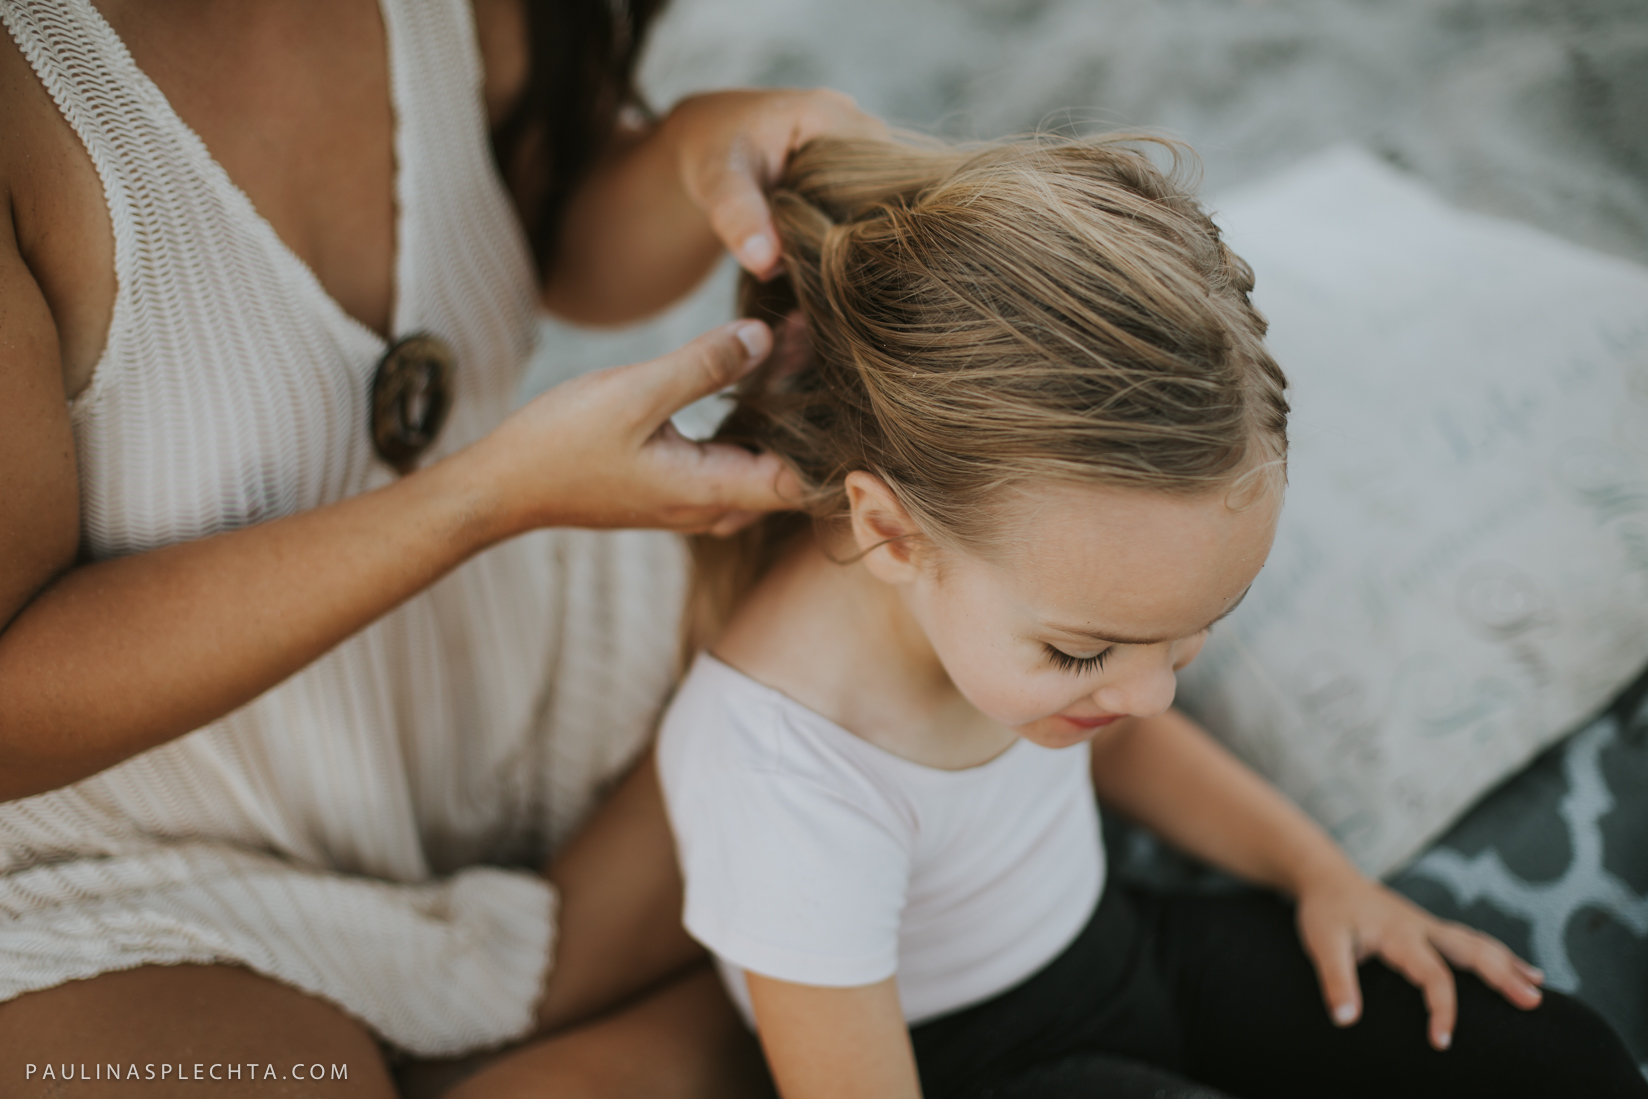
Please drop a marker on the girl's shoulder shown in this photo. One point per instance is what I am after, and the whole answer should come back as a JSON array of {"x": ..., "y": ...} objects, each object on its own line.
[
  {"x": 725, "y": 729},
  {"x": 730, "y": 722},
  {"x": 794, "y": 632},
  {"x": 734, "y": 750}
]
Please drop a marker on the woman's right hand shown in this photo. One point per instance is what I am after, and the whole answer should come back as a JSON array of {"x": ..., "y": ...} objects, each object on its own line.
[
  {"x": 600, "y": 451},
  {"x": 102, "y": 660}
]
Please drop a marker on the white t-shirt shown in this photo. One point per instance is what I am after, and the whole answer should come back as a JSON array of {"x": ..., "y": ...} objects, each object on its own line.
[{"x": 813, "y": 856}]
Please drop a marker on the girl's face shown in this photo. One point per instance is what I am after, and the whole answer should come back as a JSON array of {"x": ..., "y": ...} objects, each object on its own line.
[{"x": 1083, "y": 620}]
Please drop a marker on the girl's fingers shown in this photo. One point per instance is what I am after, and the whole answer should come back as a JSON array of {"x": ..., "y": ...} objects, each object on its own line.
[
  {"x": 1334, "y": 955},
  {"x": 1419, "y": 962},
  {"x": 1491, "y": 960}
]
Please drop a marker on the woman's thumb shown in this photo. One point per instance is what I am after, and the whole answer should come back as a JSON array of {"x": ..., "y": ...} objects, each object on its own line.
[{"x": 707, "y": 365}]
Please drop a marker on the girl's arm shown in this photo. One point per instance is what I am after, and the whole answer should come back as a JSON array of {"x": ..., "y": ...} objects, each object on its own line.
[
  {"x": 835, "y": 1043},
  {"x": 1169, "y": 775}
]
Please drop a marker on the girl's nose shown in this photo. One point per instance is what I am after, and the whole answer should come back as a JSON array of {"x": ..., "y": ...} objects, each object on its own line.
[{"x": 1143, "y": 686}]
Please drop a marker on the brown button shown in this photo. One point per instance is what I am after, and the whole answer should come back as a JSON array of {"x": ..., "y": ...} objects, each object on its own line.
[{"x": 411, "y": 395}]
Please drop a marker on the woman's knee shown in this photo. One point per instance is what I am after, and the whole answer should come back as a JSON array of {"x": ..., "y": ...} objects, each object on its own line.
[
  {"x": 681, "y": 1041},
  {"x": 173, "y": 1028}
]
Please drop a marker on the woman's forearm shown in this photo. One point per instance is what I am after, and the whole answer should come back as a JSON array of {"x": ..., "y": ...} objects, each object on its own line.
[
  {"x": 112, "y": 658},
  {"x": 119, "y": 656},
  {"x": 654, "y": 215},
  {"x": 1169, "y": 775},
  {"x": 632, "y": 241}
]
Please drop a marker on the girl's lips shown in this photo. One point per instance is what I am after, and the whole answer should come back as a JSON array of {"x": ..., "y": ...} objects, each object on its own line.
[{"x": 1092, "y": 722}]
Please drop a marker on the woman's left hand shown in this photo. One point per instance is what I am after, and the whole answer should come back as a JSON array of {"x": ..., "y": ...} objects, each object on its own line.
[
  {"x": 1345, "y": 918},
  {"x": 730, "y": 145}
]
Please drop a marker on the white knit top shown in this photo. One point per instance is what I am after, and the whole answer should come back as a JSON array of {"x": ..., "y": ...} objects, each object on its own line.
[{"x": 330, "y": 834}]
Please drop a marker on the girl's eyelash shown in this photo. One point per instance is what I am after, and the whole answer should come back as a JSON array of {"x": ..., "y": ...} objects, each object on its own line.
[{"x": 1078, "y": 664}]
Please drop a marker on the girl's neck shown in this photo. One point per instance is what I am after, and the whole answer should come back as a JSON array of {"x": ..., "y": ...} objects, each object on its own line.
[{"x": 844, "y": 644}]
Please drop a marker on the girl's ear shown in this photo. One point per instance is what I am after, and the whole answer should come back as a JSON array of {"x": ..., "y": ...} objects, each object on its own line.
[{"x": 887, "y": 538}]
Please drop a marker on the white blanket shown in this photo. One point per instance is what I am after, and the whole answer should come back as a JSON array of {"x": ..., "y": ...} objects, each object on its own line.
[{"x": 1461, "y": 575}]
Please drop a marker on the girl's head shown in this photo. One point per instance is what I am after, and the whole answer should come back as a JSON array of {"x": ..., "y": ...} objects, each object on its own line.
[{"x": 993, "y": 361}]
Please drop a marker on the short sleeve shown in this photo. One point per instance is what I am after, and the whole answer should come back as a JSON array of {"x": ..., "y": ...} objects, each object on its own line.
[{"x": 785, "y": 876}]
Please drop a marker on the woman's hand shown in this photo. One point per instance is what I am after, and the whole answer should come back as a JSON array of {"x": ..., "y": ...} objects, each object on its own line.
[
  {"x": 599, "y": 450},
  {"x": 1345, "y": 918},
  {"x": 652, "y": 218},
  {"x": 731, "y": 145},
  {"x": 115, "y": 657}
]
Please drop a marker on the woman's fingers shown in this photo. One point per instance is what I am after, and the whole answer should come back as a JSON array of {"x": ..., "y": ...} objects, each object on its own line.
[
  {"x": 599, "y": 450},
  {"x": 733, "y": 145},
  {"x": 738, "y": 208},
  {"x": 733, "y": 522},
  {"x": 785, "y": 121},
  {"x": 658, "y": 389},
  {"x": 1491, "y": 960},
  {"x": 1417, "y": 960},
  {"x": 722, "y": 487},
  {"x": 719, "y": 487},
  {"x": 1333, "y": 952}
]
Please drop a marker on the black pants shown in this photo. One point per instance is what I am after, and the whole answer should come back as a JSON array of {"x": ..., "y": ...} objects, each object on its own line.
[{"x": 1190, "y": 997}]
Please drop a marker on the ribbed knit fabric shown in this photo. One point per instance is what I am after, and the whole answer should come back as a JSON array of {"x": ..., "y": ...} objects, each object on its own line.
[{"x": 343, "y": 833}]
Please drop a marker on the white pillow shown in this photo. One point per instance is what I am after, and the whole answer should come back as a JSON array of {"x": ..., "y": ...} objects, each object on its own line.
[{"x": 1461, "y": 574}]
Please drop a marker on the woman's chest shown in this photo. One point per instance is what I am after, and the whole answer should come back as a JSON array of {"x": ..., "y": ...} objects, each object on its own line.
[
  {"x": 292, "y": 99},
  {"x": 225, "y": 364}
]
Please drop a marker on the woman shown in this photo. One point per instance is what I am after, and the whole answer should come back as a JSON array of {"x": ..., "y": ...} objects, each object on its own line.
[{"x": 265, "y": 705}]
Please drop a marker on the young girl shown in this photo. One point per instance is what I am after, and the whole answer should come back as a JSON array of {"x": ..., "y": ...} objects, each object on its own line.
[{"x": 1042, "y": 446}]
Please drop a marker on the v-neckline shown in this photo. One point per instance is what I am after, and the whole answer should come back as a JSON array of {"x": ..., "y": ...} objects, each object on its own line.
[{"x": 284, "y": 254}]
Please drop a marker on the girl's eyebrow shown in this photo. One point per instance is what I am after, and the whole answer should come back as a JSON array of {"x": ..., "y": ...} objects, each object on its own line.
[{"x": 1108, "y": 639}]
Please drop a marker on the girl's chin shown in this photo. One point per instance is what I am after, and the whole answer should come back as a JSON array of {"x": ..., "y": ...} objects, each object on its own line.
[{"x": 1055, "y": 732}]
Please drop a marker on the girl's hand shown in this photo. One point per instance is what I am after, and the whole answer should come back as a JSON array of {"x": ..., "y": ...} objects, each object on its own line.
[
  {"x": 730, "y": 145},
  {"x": 1344, "y": 918},
  {"x": 599, "y": 450}
]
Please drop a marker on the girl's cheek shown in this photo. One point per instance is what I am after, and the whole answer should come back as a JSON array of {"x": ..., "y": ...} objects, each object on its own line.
[
  {"x": 1029, "y": 696},
  {"x": 1004, "y": 691}
]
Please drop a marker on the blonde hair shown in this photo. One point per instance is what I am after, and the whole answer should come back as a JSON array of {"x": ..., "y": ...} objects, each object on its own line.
[{"x": 963, "y": 321}]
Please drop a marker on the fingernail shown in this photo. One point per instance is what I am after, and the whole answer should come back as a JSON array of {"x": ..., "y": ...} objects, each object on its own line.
[
  {"x": 755, "y": 338},
  {"x": 1444, "y": 1040},
  {"x": 1344, "y": 1014},
  {"x": 759, "y": 252}
]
